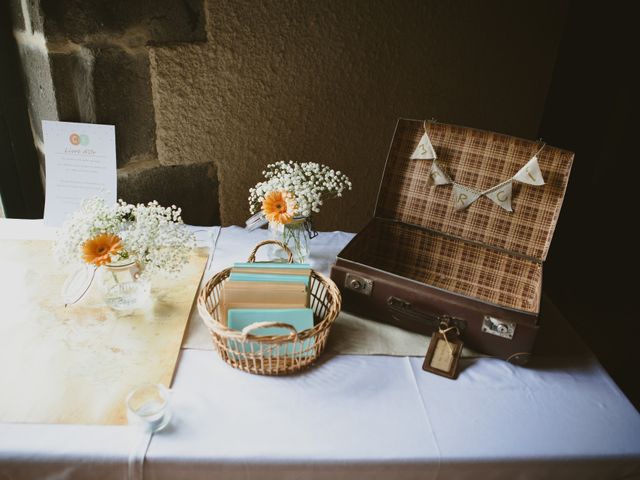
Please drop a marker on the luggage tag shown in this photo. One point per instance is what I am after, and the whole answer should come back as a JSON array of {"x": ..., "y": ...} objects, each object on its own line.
[{"x": 444, "y": 352}]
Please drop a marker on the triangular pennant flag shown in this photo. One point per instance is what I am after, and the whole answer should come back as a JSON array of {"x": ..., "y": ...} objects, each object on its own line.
[
  {"x": 424, "y": 150},
  {"x": 501, "y": 195},
  {"x": 530, "y": 173},
  {"x": 437, "y": 176},
  {"x": 463, "y": 196}
]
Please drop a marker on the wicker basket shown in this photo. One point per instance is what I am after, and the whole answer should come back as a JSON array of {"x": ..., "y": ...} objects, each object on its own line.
[{"x": 277, "y": 354}]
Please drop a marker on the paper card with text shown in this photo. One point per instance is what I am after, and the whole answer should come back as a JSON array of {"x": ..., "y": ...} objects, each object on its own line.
[{"x": 80, "y": 163}]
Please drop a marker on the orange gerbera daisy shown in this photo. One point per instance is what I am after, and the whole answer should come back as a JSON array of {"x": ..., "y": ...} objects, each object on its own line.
[
  {"x": 98, "y": 250},
  {"x": 279, "y": 207}
]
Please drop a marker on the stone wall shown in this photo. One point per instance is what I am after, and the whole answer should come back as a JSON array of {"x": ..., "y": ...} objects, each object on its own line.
[
  {"x": 216, "y": 89},
  {"x": 89, "y": 62}
]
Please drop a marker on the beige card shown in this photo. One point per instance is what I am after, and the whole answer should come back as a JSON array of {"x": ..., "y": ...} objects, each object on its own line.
[
  {"x": 77, "y": 364},
  {"x": 443, "y": 354}
]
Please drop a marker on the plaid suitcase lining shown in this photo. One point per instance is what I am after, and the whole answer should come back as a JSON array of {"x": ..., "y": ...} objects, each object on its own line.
[
  {"x": 480, "y": 160},
  {"x": 454, "y": 265}
]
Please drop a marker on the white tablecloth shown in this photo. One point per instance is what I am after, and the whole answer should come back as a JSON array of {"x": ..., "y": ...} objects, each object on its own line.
[{"x": 356, "y": 416}]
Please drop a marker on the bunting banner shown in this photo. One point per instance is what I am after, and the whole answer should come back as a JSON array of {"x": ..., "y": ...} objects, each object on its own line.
[
  {"x": 530, "y": 173},
  {"x": 463, "y": 196},
  {"x": 437, "y": 176},
  {"x": 501, "y": 195},
  {"x": 424, "y": 150}
]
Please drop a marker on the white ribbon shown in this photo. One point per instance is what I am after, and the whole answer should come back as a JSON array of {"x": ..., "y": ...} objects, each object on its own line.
[
  {"x": 424, "y": 150},
  {"x": 135, "y": 470},
  {"x": 256, "y": 221}
]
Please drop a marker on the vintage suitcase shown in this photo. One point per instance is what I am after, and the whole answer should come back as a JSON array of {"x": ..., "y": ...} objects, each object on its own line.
[{"x": 420, "y": 261}]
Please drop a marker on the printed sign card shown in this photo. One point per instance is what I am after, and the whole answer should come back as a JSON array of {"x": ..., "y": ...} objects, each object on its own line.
[{"x": 80, "y": 163}]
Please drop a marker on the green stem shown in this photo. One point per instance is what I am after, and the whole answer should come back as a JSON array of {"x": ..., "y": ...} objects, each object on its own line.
[{"x": 294, "y": 233}]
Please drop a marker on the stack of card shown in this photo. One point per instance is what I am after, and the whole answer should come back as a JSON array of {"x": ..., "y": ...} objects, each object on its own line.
[{"x": 261, "y": 292}]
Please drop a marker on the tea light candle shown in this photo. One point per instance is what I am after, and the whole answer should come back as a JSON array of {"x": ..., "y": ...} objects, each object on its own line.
[{"x": 148, "y": 407}]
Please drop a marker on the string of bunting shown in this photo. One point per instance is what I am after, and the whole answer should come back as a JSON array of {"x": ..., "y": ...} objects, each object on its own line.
[{"x": 463, "y": 196}]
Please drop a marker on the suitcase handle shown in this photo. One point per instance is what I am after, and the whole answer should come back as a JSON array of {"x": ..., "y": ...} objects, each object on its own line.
[{"x": 399, "y": 307}]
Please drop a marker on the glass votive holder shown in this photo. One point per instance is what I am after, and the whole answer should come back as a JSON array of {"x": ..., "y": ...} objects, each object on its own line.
[{"x": 148, "y": 407}]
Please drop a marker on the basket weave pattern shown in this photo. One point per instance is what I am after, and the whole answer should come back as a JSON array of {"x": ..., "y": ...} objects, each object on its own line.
[{"x": 277, "y": 354}]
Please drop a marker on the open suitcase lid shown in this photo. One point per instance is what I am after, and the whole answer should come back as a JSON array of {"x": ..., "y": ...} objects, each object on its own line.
[{"x": 479, "y": 160}]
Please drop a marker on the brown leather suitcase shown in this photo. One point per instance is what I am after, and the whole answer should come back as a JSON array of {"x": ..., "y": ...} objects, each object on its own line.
[{"x": 420, "y": 262}]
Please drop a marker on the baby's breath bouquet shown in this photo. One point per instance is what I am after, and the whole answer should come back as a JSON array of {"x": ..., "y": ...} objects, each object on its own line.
[
  {"x": 100, "y": 234},
  {"x": 289, "y": 195},
  {"x": 139, "y": 240},
  {"x": 295, "y": 190}
]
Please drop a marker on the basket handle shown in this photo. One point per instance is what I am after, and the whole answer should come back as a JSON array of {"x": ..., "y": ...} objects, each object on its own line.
[
  {"x": 252, "y": 257},
  {"x": 246, "y": 331}
]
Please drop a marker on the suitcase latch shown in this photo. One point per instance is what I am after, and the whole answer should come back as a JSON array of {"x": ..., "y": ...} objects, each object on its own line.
[
  {"x": 358, "y": 284},
  {"x": 500, "y": 328},
  {"x": 401, "y": 309}
]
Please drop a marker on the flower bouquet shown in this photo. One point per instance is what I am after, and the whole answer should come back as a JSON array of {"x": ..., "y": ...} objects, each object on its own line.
[
  {"x": 124, "y": 245},
  {"x": 288, "y": 197}
]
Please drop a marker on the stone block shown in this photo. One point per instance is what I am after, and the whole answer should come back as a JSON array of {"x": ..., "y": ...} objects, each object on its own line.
[
  {"x": 182, "y": 105},
  {"x": 122, "y": 92},
  {"x": 31, "y": 20},
  {"x": 160, "y": 21},
  {"x": 193, "y": 187},
  {"x": 35, "y": 15},
  {"x": 39, "y": 86},
  {"x": 17, "y": 16},
  {"x": 41, "y": 166},
  {"x": 72, "y": 75}
]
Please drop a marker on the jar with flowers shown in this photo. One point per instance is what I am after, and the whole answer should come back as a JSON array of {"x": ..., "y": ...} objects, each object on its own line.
[
  {"x": 121, "y": 247},
  {"x": 287, "y": 198}
]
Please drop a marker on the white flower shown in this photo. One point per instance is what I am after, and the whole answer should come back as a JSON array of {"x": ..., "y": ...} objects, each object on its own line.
[
  {"x": 153, "y": 235},
  {"x": 309, "y": 182}
]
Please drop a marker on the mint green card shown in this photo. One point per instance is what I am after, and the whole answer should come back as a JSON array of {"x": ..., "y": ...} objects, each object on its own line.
[
  {"x": 266, "y": 277},
  {"x": 300, "y": 318}
]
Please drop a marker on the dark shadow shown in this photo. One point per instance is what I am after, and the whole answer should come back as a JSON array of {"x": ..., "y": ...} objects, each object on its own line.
[
  {"x": 193, "y": 187},
  {"x": 21, "y": 188},
  {"x": 590, "y": 109}
]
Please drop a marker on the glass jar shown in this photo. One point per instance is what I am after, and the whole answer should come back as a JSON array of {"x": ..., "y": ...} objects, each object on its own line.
[
  {"x": 295, "y": 235},
  {"x": 148, "y": 407},
  {"x": 123, "y": 285}
]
